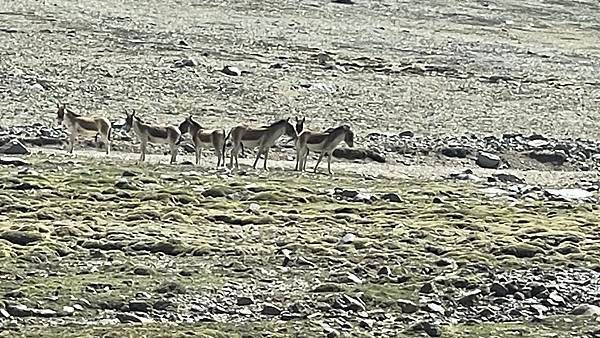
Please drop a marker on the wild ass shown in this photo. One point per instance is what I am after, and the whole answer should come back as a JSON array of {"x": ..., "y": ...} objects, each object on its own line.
[
  {"x": 262, "y": 138},
  {"x": 153, "y": 134},
  {"x": 82, "y": 125},
  {"x": 321, "y": 142},
  {"x": 205, "y": 139}
]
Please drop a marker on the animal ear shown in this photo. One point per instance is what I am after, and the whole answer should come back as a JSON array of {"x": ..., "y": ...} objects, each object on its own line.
[
  {"x": 303, "y": 119},
  {"x": 287, "y": 119}
]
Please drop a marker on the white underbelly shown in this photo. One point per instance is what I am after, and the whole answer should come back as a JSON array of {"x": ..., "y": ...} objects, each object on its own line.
[
  {"x": 204, "y": 145},
  {"x": 251, "y": 144},
  {"x": 158, "y": 140}
]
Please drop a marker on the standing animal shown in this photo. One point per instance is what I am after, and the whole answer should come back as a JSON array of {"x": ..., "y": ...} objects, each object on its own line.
[
  {"x": 153, "y": 134},
  {"x": 205, "y": 139},
  {"x": 262, "y": 138},
  {"x": 83, "y": 125},
  {"x": 322, "y": 142}
]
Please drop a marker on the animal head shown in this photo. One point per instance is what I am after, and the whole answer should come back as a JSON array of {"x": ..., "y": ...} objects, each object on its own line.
[
  {"x": 289, "y": 129},
  {"x": 129, "y": 120},
  {"x": 348, "y": 136},
  {"x": 300, "y": 124},
  {"x": 60, "y": 113},
  {"x": 184, "y": 126}
]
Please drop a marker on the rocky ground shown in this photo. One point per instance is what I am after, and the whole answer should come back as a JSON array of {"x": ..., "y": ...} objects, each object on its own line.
[{"x": 468, "y": 208}]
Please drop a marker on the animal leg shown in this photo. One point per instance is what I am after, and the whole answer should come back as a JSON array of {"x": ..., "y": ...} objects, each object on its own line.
[
  {"x": 319, "y": 161},
  {"x": 266, "y": 153},
  {"x": 305, "y": 159},
  {"x": 260, "y": 150},
  {"x": 72, "y": 139},
  {"x": 197, "y": 155},
  {"x": 173, "y": 153},
  {"x": 142, "y": 151},
  {"x": 107, "y": 144},
  {"x": 329, "y": 163}
]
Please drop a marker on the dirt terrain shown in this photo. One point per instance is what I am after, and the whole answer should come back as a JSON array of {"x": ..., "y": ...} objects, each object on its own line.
[{"x": 428, "y": 243}]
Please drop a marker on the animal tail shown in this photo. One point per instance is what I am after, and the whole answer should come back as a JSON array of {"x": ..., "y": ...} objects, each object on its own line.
[{"x": 109, "y": 136}]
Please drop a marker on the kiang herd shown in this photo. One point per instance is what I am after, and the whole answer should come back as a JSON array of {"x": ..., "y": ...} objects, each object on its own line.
[{"x": 241, "y": 137}]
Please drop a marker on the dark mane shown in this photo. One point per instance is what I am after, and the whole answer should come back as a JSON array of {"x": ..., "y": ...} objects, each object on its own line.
[
  {"x": 275, "y": 123},
  {"x": 69, "y": 111}
]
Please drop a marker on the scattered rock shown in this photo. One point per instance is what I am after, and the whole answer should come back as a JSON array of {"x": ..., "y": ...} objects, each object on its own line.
[
  {"x": 327, "y": 287},
  {"x": 391, "y": 197},
  {"x": 348, "y": 238},
  {"x": 5, "y": 160},
  {"x": 433, "y": 330},
  {"x": 487, "y": 160},
  {"x": 243, "y": 301},
  {"x": 551, "y": 157},
  {"x": 521, "y": 250},
  {"x": 384, "y": 271},
  {"x": 20, "y": 237},
  {"x": 435, "y": 308},
  {"x": 406, "y": 133},
  {"x": 142, "y": 271},
  {"x": 172, "y": 287},
  {"x": 427, "y": 288},
  {"x": 231, "y": 71},
  {"x": 185, "y": 63},
  {"x": 19, "y": 310},
  {"x": 407, "y": 306},
  {"x": 139, "y": 306},
  {"x": 498, "y": 290},
  {"x": 270, "y": 310},
  {"x": 456, "y": 152},
  {"x": 586, "y": 310},
  {"x": 14, "y": 147},
  {"x": 124, "y": 317},
  {"x": 569, "y": 194},
  {"x": 469, "y": 298}
]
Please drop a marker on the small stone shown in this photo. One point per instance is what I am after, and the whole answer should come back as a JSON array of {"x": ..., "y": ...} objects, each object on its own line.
[
  {"x": 20, "y": 237},
  {"x": 433, "y": 330},
  {"x": 498, "y": 290},
  {"x": 185, "y": 63},
  {"x": 437, "y": 200},
  {"x": 68, "y": 310},
  {"x": 435, "y": 308},
  {"x": 348, "y": 238},
  {"x": 124, "y": 317},
  {"x": 19, "y": 310},
  {"x": 366, "y": 323},
  {"x": 456, "y": 152},
  {"x": 139, "y": 306},
  {"x": 549, "y": 157},
  {"x": 536, "y": 289},
  {"x": 391, "y": 197},
  {"x": 231, "y": 71},
  {"x": 14, "y": 147},
  {"x": 17, "y": 162},
  {"x": 519, "y": 296},
  {"x": 406, "y": 133},
  {"x": 407, "y": 306},
  {"x": 142, "y": 271},
  {"x": 586, "y": 310},
  {"x": 469, "y": 298},
  {"x": 427, "y": 288},
  {"x": 4, "y": 313},
  {"x": 384, "y": 271},
  {"x": 327, "y": 287},
  {"x": 487, "y": 160},
  {"x": 243, "y": 301},
  {"x": 37, "y": 87},
  {"x": 270, "y": 310},
  {"x": 162, "y": 304},
  {"x": 254, "y": 207}
]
